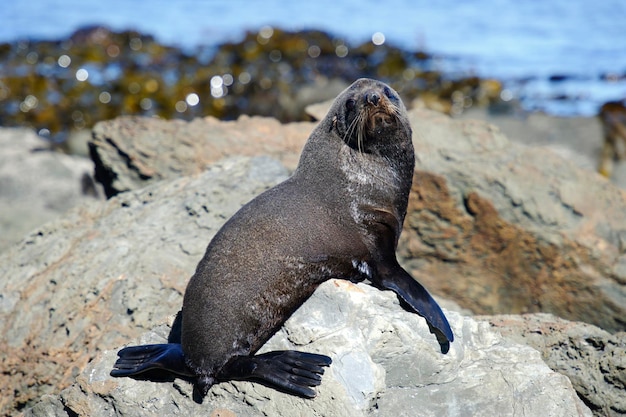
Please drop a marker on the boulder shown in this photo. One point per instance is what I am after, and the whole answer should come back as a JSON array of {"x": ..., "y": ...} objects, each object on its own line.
[
  {"x": 107, "y": 271},
  {"x": 526, "y": 229},
  {"x": 593, "y": 360},
  {"x": 385, "y": 363},
  {"x": 132, "y": 152},
  {"x": 500, "y": 227},
  {"x": 496, "y": 226},
  {"x": 575, "y": 138},
  {"x": 578, "y": 139},
  {"x": 37, "y": 184}
]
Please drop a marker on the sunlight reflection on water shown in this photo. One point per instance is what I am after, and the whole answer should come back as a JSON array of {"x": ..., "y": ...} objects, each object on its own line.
[{"x": 522, "y": 41}]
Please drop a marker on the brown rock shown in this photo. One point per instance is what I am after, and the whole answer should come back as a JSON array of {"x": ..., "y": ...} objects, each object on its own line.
[
  {"x": 494, "y": 225},
  {"x": 504, "y": 228},
  {"x": 498, "y": 226},
  {"x": 131, "y": 152}
]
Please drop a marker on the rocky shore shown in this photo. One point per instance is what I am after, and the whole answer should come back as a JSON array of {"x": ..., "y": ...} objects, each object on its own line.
[
  {"x": 61, "y": 86},
  {"x": 519, "y": 234}
]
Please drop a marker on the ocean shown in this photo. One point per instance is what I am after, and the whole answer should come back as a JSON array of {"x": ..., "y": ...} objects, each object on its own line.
[{"x": 564, "y": 57}]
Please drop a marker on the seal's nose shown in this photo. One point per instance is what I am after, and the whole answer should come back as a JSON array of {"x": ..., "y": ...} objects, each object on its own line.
[{"x": 373, "y": 98}]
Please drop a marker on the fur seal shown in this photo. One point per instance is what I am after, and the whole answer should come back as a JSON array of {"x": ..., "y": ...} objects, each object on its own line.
[
  {"x": 612, "y": 115},
  {"x": 338, "y": 216}
]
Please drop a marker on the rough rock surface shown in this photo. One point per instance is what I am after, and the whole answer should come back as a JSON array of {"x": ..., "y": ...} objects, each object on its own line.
[
  {"x": 578, "y": 139},
  {"x": 36, "y": 184},
  {"x": 385, "y": 363},
  {"x": 106, "y": 271},
  {"x": 131, "y": 152},
  {"x": 504, "y": 228},
  {"x": 527, "y": 230},
  {"x": 594, "y": 360},
  {"x": 497, "y": 226}
]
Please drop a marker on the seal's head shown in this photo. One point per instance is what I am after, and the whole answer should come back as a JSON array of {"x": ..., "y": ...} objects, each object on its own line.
[
  {"x": 369, "y": 114},
  {"x": 366, "y": 140}
]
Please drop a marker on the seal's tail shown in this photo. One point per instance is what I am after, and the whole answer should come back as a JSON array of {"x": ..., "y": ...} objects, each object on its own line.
[{"x": 148, "y": 361}]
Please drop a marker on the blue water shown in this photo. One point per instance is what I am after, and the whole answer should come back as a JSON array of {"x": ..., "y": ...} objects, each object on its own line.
[{"x": 522, "y": 42}]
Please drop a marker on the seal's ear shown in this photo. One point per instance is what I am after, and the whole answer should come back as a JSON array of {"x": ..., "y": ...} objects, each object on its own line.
[{"x": 333, "y": 125}]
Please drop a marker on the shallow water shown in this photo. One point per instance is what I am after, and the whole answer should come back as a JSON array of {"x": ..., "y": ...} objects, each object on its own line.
[{"x": 560, "y": 56}]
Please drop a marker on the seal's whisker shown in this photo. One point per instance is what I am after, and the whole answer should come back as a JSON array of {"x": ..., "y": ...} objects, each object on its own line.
[
  {"x": 361, "y": 132},
  {"x": 351, "y": 129}
]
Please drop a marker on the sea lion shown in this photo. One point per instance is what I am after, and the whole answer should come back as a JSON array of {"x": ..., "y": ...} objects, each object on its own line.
[
  {"x": 612, "y": 115},
  {"x": 338, "y": 216}
]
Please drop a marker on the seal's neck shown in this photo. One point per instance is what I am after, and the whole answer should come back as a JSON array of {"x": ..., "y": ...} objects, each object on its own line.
[{"x": 376, "y": 179}]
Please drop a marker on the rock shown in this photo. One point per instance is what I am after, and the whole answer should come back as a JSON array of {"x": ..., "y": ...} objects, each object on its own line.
[
  {"x": 582, "y": 135},
  {"x": 132, "y": 152},
  {"x": 36, "y": 184},
  {"x": 318, "y": 111},
  {"x": 527, "y": 230},
  {"x": 385, "y": 362},
  {"x": 496, "y": 226},
  {"x": 77, "y": 143},
  {"x": 107, "y": 271},
  {"x": 500, "y": 227},
  {"x": 593, "y": 360},
  {"x": 578, "y": 139},
  {"x": 320, "y": 90}
]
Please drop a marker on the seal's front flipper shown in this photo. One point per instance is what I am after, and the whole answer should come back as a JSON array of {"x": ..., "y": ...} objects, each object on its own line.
[
  {"x": 289, "y": 371},
  {"x": 153, "y": 362},
  {"x": 415, "y": 296}
]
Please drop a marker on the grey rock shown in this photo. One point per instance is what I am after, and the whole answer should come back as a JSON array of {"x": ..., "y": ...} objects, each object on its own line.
[
  {"x": 496, "y": 226},
  {"x": 593, "y": 359},
  {"x": 528, "y": 230},
  {"x": 578, "y": 139},
  {"x": 319, "y": 110},
  {"x": 106, "y": 271},
  {"x": 37, "y": 184},
  {"x": 580, "y": 135},
  {"x": 322, "y": 89},
  {"x": 386, "y": 363}
]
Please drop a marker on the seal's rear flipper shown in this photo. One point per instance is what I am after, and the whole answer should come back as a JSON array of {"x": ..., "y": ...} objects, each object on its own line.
[
  {"x": 414, "y": 296},
  {"x": 151, "y": 362},
  {"x": 289, "y": 371}
]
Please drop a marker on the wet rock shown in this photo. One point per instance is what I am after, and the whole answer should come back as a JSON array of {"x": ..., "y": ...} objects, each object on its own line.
[
  {"x": 594, "y": 360},
  {"x": 385, "y": 362},
  {"x": 56, "y": 86}
]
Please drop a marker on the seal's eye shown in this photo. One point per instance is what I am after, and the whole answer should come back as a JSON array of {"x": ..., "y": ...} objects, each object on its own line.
[
  {"x": 389, "y": 94},
  {"x": 350, "y": 104}
]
